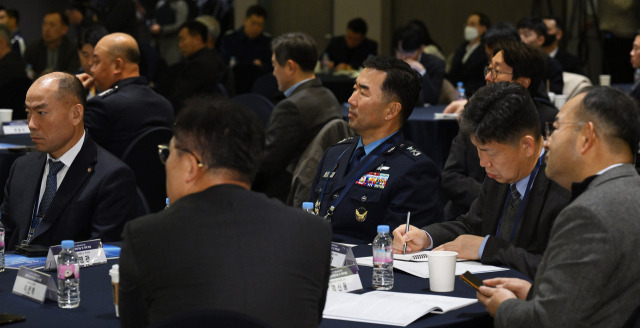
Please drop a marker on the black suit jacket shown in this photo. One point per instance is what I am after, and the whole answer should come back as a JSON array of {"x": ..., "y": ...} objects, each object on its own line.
[
  {"x": 471, "y": 73},
  {"x": 569, "y": 62},
  {"x": 339, "y": 52},
  {"x": 554, "y": 76},
  {"x": 545, "y": 201},
  {"x": 432, "y": 79},
  {"x": 36, "y": 55},
  {"x": 95, "y": 199},
  {"x": 230, "y": 249},
  {"x": 118, "y": 115}
]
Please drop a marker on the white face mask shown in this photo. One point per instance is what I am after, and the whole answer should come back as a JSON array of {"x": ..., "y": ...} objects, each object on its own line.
[{"x": 470, "y": 33}]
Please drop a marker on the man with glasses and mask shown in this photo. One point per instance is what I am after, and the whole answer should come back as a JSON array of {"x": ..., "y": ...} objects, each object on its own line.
[
  {"x": 510, "y": 221},
  {"x": 223, "y": 246},
  {"x": 588, "y": 276}
]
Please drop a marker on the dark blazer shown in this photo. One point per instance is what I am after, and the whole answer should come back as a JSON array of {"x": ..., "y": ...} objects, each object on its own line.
[
  {"x": 293, "y": 123},
  {"x": 339, "y": 52},
  {"x": 569, "y": 62},
  {"x": 230, "y": 249},
  {"x": 116, "y": 116},
  {"x": 36, "y": 55},
  {"x": 589, "y": 273},
  {"x": 554, "y": 76},
  {"x": 471, "y": 73},
  {"x": 95, "y": 199},
  {"x": 545, "y": 201},
  {"x": 432, "y": 79},
  {"x": 412, "y": 185}
]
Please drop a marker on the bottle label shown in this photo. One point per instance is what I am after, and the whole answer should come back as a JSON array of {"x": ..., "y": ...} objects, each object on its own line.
[
  {"x": 1, "y": 238},
  {"x": 382, "y": 256},
  {"x": 68, "y": 271}
]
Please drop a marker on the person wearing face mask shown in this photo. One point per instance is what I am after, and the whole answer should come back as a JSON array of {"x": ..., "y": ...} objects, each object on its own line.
[
  {"x": 551, "y": 45},
  {"x": 470, "y": 58}
]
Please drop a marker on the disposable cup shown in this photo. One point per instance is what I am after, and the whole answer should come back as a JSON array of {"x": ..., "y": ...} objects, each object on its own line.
[
  {"x": 6, "y": 114},
  {"x": 115, "y": 280},
  {"x": 605, "y": 80},
  {"x": 442, "y": 270}
]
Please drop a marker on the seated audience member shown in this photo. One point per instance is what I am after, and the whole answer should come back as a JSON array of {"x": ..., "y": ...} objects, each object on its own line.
[
  {"x": 86, "y": 43},
  {"x": 296, "y": 120},
  {"x": 430, "y": 46},
  {"x": 11, "y": 18},
  {"x": 510, "y": 221},
  {"x": 54, "y": 51},
  {"x": 635, "y": 63},
  {"x": 70, "y": 188},
  {"x": 555, "y": 32},
  {"x": 169, "y": 16},
  {"x": 114, "y": 15},
  {"x": 11, "y": 68},
  {"x": 462, "y": 175},
  {"x": 533, "y": 32},
  {"x": 469, "y": 59},
  {"x": 249, "y": 44},
  {"x": 213, "y": 27},
  {"x": 210, "y": 162},
  {"x": 588, "y": 276},
  {"x": 348, "y": 51},
  {"x": 378, "y": 177},
  {"x": 409, "y": 43},
  {"x": 126, "y": 105}
]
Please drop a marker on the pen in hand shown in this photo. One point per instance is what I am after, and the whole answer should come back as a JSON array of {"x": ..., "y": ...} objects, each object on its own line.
[{"x": 404, "y": 251}]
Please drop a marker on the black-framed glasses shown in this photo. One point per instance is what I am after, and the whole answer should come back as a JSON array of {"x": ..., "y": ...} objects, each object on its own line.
[
  {"x": 550, "y": 127},
  {"x": 163, "y": 153},
  {"x": 494, "y": 72}
]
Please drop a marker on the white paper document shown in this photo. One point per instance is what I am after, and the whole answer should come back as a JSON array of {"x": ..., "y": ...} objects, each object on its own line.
[
  {"x": 421, "y": 269},
  {"x": 388, "y": 308}
]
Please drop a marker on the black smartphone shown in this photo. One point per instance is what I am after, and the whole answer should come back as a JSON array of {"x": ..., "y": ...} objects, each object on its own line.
[
  {"x": 472, "y": 280},
  {"x": 6, "y": 318}
]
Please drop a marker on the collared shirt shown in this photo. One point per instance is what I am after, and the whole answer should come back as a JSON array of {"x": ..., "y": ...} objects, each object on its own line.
[
  {"x": 372, "y": 145},
  {"x": 470, "y": 49},
  {"x": 554, "y": 53},
  {"x": 293, "y": 88},
  {"x": 577, "y": 188},
  {"x": 67, "y": 158}
]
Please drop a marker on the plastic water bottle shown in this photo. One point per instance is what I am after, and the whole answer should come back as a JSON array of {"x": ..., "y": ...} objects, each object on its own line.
[
  {"x": 31, "y": 73},
  {"x": 232, "y": 61},
  {"x": 383, "y": 259},
  {"x": 1, "y": 247},
  {"x": 167, "y": 203},
  {"x": 308, "y": 207},
  {"x": 461, "y": 91},
  {"x": 68, "y": 277},
  {"x": 325, "y": 63}
]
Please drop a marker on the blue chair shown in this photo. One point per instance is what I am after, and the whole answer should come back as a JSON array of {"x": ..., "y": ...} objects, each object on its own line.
[
  {"x": 259, "y": 104},
  {"x": 267, "y": 86}
]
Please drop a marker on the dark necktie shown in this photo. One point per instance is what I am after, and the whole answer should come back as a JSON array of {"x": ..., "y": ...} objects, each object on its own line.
[
  {"x": 51, "y": 187},
  {"x": 511, "y": 214},
  {"x": 357, "y": 156}
]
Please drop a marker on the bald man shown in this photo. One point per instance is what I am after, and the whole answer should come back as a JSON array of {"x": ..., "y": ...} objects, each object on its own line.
[
  {"x": 70, "y": 188},
  {"x": 125, "y": 106}
]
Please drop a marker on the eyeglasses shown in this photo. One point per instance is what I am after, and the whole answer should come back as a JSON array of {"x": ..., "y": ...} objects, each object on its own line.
[
  {"x": 163, "y": 153},
  {"x": 494, "y": 72},
  {"x": 549, "y": 127}
]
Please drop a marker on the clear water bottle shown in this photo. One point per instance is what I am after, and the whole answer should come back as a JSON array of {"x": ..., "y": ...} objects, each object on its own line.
[
  {"x": 461, "y": 91},
  {"x": 383, "y": 259},
  {"x": 308, "y": 207},
  {"x": 167, "y": 203},
  {"x": 232, "y": 61},
  {"x": 68, "y": 277},
  {"x": 1, "y": 247},
  {"x": 326, "y": 69}
]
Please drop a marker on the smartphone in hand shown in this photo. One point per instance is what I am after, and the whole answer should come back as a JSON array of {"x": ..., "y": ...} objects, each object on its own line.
[{"x": 472, "y": 280}]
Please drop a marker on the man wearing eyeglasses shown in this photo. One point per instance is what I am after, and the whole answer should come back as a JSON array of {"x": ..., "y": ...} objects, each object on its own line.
[
  {"x": 70, "y": 188},
  {"x": 589, "y": 273},
  {"x": 510, "y": 221},
  {"x": 220, "y": 245}
]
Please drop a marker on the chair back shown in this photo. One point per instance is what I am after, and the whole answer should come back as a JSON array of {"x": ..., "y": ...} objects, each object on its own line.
[
  {"x": 266, "y": 85},
  {"x": 211, "y": 318},
  {"x": 574, "y": 84},
  {"x": 258, "y": 103},
  {"x": 305, "y": 171},
  {"x": 142, "y": 157}
]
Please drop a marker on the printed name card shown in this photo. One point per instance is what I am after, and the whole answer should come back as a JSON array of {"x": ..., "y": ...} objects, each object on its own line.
[
  {"x": 17, "y": 127},
  {"x": 345, "y": 279},
  {"x": 89, "y": 252},
  {"x": 35, "y": 285},
  {"x": 342, "y": 255}
]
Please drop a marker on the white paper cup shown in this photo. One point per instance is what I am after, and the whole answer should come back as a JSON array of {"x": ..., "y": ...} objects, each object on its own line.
[
  {"x": 560, "y": 101},
  {"x": 6, "y": 114},
  {"x": 605, "y": 80},
  {"x": 115, "y": 280},
  {"x": 442, "y": 271}
]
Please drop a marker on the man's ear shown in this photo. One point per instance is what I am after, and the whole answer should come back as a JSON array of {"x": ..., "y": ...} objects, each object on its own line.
[{"x": 393, "y": 110}]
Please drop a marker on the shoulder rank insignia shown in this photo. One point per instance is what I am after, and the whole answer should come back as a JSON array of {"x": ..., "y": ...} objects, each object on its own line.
[
  {"x": 108, "y": 91},
  {"x": 413, "y": 151},
  {"x": 345, "y": 139}
]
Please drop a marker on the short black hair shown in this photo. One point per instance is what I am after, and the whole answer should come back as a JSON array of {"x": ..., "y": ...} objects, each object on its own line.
[
  {"x": 402, "y": 82},
  {"x": 503, "y": 31},
  {"x": 615, "y": 113},
  {"x": 422, "y": 27},
  {"x": 535, "y": 24},
  {"x": 196, "y": 28},
  {"x": 358, "y": 25},
  {"x": 63, "y": 18},
  {"x": 70, "y": 86},
  {"x": 525, "y": 60},
  {"x": 297, "y": 46},
  {"x": 408, "y": 38},
  {"x": 484, "y": 19},
  {"x": 226, "y": 135},
  {"x": 501, "y": 112},
  {"x": 257, "y": 10},
  {"x": 91, "y": 35},
  {"x": 13, "y": 13}
]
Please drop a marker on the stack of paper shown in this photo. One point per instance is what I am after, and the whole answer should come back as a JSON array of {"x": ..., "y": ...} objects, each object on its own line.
[
  {"x": 388, "y": 308},
  {"x": 421, "y": 269}
]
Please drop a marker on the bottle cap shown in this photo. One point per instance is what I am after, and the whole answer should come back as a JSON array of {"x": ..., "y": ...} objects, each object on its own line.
[
  {"x": 383, "y": 229},
  {"x": 307, "y": 205},
  {"x": 67, "y": 244}
]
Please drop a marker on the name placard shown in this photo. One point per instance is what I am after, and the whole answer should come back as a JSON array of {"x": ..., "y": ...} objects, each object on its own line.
[
  {"x": 342, "y": 255},
  {"x": 89, "y": 252},
  {"x": 35, "y": 285},
  {"x": 345, "y": 279},
  {"x": 16, "y": 127}
]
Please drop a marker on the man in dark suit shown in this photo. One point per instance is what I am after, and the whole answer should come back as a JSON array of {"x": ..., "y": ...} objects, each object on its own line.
[
  {"x": 71, "y": 188},
  {"x": 348, "y": 52},
  {"x": 11, "y": 72},
  {"x": 470, "y": 58},
  {"x": 54, "y": 51},
  {"x": 126, "y": 105},
  {"x": 635, "y": 63},
  {"x": 278, "y": 268},
  {"x": 533, "y": 32},
  {"x": 296, "y": 120},
  {"x": 509, "y": 223},
  {"x": 378, "y": 177},
  {"x": 555, "y": 32},
  {"x": 588, "y": 276}
]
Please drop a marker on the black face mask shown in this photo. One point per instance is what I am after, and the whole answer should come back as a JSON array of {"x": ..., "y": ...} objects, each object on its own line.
[{"x": 549, "y": 39}]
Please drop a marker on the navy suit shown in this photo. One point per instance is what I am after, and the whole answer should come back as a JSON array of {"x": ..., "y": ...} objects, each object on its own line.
[
  {"x": 432, "y": 79},
  {"x": 412, "y": 185},
  {"x": 118, "y": 115},
  {"x": 471, "y": 72},
  {"x": 95, "y": 199},
  {"x": 339, "y": 52}
]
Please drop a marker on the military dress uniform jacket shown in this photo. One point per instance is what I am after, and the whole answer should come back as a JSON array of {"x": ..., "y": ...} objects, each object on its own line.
[{"x": 401, "y": 179}]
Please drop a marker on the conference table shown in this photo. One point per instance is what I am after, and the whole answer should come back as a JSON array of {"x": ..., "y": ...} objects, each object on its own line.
[{"x": 96, "y": 307}]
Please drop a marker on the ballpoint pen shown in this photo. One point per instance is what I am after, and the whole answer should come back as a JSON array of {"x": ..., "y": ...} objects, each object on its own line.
[{"x": 404, "y": 251}]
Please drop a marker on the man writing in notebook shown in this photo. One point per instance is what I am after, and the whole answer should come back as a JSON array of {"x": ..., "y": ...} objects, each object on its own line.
[{"x": 588, "y": 276}]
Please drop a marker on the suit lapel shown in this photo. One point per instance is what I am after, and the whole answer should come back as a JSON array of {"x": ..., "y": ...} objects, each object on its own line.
[
  {"x": 535, "y": 203},
  {"x": 30, "y": 192},
  {"x": 492, "y": 214}
]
